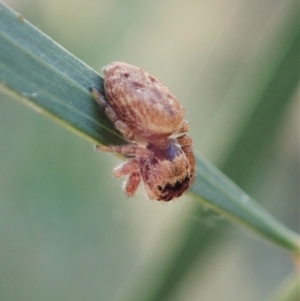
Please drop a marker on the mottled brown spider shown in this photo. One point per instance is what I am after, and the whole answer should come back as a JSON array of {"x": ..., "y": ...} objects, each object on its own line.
[{"x": 151, "y": 119}]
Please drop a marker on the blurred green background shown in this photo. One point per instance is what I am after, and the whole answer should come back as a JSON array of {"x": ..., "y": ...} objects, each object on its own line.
[{"x": 67, "y": 232}]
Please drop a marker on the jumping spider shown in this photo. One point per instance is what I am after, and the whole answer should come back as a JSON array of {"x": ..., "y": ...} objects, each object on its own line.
[{"x": 151, "y": 119}]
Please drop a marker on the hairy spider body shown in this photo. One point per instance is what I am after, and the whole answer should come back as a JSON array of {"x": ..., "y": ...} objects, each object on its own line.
[{"x": 152, "y": 120}]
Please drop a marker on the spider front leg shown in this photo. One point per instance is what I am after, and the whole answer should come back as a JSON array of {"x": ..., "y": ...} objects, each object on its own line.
[
  {"x": 131, "y": 168},
  {"x": 112, "y": 115},
  {"x": 132, "y": 183},
  {"x": 126, "y": 168}
]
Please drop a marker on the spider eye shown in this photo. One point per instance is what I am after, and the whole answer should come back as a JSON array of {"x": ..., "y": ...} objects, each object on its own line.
[{"x": 159, "y": 188}]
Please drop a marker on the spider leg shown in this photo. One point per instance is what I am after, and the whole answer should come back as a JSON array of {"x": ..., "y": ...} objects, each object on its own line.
[
  {"x": 129, "y": 150},
  {"x": 184, "y": 140},
  {"x": 130, "y": 167},
  {"x": 112, "y": 115},
  {"x": 184, "y": 127},
  {"x": 132, "y": 183},
  {"x": 186, "y": 145},
  {"x": 126, "y": 168}
]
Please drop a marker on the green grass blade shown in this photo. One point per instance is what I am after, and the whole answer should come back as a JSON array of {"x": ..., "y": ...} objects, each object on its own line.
[
  {"x": 44, "y": 75},
  {"x": 289, "y": 290},
  {"x": 222, "y": 195},
  {"x": 36, "y": 70}
]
